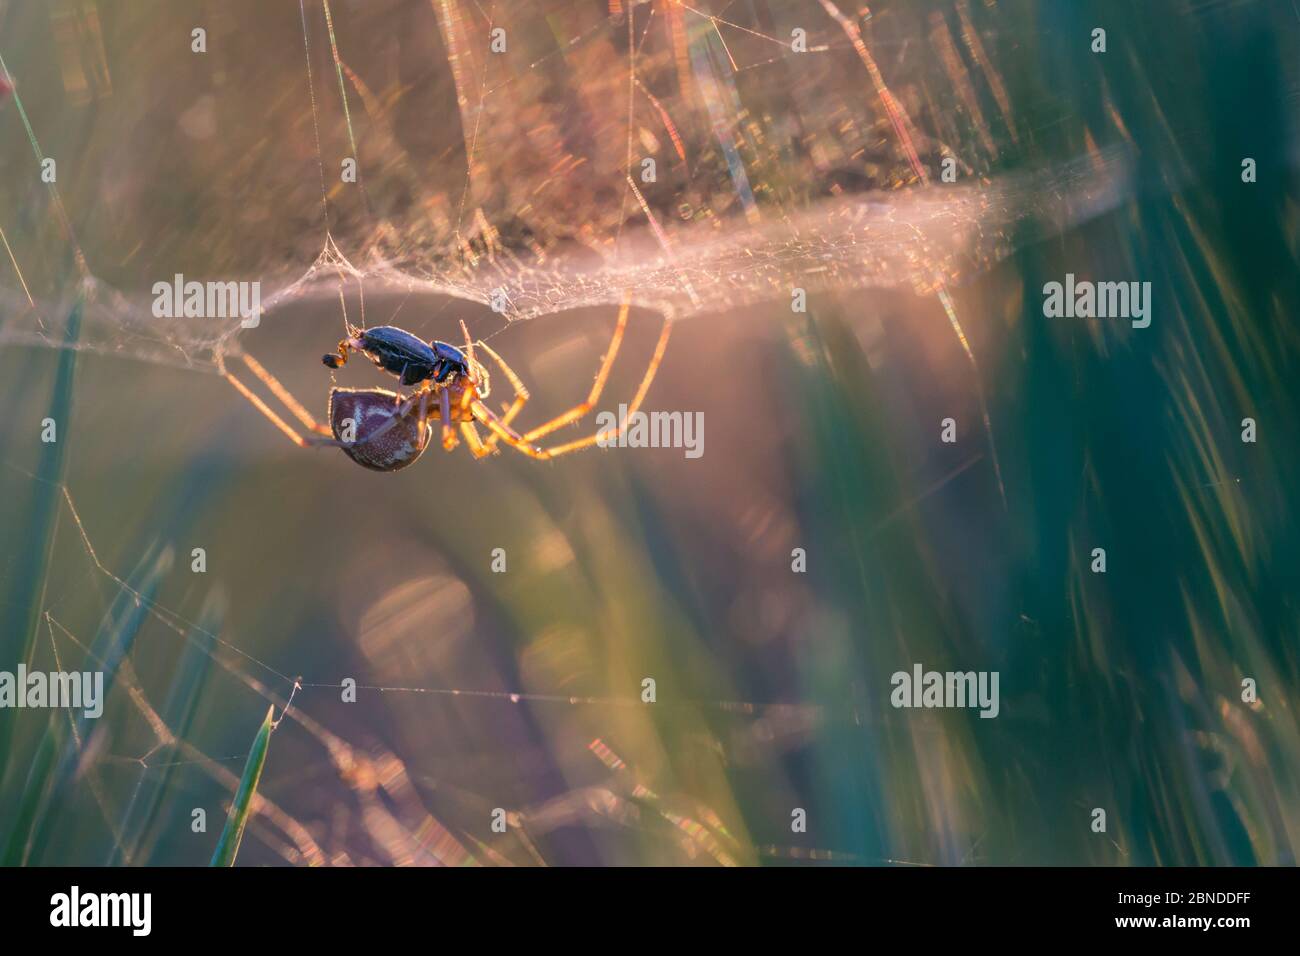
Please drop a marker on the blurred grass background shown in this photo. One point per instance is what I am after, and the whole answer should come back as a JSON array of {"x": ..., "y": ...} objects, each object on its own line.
[{"x": 1120, "y": 691}]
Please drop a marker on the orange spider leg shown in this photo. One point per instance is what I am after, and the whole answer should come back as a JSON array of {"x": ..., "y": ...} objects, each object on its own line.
[
  {"x": 502, "y": 430},
  {"x": 281, "y": 393},
  {"x": 420, "y": 427},
  {"x": 590, "y": 440},
  {"x": 469, "y": 343},
  {"x": 404, "y": 407},
  {"x": 505, "y": 433},
  {"x": 444, "y": 406},
  {"x": 578, "y": 411},
  {"x": 521, "y": 393},
  {"x": 467, "y": 429},
  {"x": 473, "y": 441},
  {"x": 284, "y": 395}
]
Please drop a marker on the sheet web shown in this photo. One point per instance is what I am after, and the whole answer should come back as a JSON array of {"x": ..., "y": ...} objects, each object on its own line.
[
  {"x": 696, "y": 160},
  {"x": 530, "y": 157}
]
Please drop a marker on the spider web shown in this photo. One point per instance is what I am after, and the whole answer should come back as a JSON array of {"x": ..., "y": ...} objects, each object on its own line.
[{"x": 512, "y": 181}]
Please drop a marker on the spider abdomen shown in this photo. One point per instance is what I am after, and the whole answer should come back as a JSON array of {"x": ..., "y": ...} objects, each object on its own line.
[{"x": 359, "y": 419}]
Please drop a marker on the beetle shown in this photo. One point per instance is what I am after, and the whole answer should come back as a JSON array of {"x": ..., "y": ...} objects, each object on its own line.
[{"x": 402, "y": 354}]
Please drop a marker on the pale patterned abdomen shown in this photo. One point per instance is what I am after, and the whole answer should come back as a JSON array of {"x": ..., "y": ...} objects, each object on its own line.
[{"x": 369, "y": 409}]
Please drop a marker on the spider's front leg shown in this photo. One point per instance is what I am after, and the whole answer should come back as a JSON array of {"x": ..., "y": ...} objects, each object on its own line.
[
  {"x": 321, "y": 435},
  {"x": 521, "y": 395},
  {"x": 449, "y": 440},
  {"x": 273, "y": 384}
]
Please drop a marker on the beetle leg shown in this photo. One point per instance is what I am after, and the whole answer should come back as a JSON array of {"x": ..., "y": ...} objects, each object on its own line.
[{"x": 338, "y": 358}]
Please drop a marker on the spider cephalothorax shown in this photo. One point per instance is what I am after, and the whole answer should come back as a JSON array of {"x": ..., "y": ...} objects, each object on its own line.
[{"x": 386, "y": 431}]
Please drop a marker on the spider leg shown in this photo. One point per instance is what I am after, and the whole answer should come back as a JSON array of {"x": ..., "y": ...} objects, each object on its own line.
[
  {"x": 404, "y": 407},
  {"x": 521, "y": 393},
  {"x": 501, "y": 427},
  {"x": 444, "y": 406},
  {"x": 424, "y": 411},
  {"x": 505, "y": 433},
  {"x": 469, "y": 343},
  {"x": 578, "y": 411},
  {"x": 422, "y": 419},
  {"x": 284, "y": 395},
  {"x": 655, "y": 359},
  {"x": 280, "y": 392},
  {"x": 472, "y": 439}
]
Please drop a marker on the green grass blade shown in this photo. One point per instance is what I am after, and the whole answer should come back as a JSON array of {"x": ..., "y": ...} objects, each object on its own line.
[
  {"x": 233, "y": 832},
  {"x": 37, "y": 788},
  {"x": 55, "y": 761},
  {"x": 23, "y": 606},
  {"x": 145, "y": 813},
  {"x": 112, "y": 644}
]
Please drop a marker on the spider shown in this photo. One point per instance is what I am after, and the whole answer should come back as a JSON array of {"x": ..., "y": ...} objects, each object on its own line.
[{"x": 386, "y": 431}]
